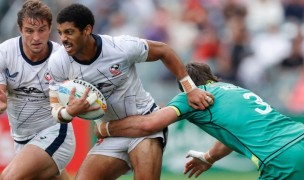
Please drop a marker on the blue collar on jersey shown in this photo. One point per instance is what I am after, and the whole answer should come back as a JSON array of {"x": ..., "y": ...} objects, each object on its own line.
[
  {"x": 50, "y": 46},
  {"x": 98, "y": 51}
]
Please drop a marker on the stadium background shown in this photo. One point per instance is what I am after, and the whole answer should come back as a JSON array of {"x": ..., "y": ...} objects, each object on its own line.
[{"x": 257, "y": 44}]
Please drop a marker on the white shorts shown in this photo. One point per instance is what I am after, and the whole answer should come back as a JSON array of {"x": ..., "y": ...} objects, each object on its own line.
[
  {"x": 120, "y": 147},
  {"x": 58, "y": 141}
]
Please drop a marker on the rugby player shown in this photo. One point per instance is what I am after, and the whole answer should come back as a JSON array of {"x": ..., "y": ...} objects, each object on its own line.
[
  {"x": 43, "y": 146},
  {"x": 109, "y": 63},
  {"x": 239, "y": 119}
]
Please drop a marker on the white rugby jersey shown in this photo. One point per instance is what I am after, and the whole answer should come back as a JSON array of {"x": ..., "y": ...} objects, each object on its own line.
[
  {"x": 27, "y": 82},
  {"x": 112, "y": 71}
]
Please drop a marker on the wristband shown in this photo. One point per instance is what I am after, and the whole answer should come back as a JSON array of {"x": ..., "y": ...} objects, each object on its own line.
[
  {"x": 187, "y": 84},
  {"x": 107, "y": 128},
  {"x": 98, "y": 123},
  {"x": 198, "y": 155},
  {"x": 65, "y": 115},
  {"x": 55, "y": 112},
  {"x": 103, "y": 128},
  {"x": 210, "y": 157}
]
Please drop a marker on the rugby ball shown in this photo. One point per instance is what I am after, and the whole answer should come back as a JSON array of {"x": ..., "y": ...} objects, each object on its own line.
[{"x": 64, "y": 92}]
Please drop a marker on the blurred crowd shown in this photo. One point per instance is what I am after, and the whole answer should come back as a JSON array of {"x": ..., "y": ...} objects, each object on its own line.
[{"x": 257, "y": 44}]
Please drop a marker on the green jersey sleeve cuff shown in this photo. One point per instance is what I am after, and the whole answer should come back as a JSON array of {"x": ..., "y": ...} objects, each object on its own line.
[{"x": 176, "y": 110}]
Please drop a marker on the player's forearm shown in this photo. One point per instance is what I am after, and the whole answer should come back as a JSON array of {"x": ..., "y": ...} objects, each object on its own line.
[
  {"x": 217, "y": 152},
  {"x": 140, "y": 125},
  {"x": 133, "y": 126}
]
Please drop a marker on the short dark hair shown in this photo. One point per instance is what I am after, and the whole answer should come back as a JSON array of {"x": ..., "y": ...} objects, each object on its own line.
[
  {"x": 200, "y": 73},
  {"x": 79, "y": 14},
  {"x": 35, "y": 9}
]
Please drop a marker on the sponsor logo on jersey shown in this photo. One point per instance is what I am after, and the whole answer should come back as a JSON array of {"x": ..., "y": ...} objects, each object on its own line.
[
  {"x": 47, "y": 76},
  {"x": 29, "y": 90},
  {"x": 11, "y": 75},
  {"x": 115, "y": 70},
  {"x": 106, "y": 88}
]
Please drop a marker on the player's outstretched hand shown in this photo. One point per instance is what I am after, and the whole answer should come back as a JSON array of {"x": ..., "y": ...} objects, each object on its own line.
[
  {"x": 3, "y": 101},
  {"x": 197, "y": 165},
  {"x": 200, "y": 99}
]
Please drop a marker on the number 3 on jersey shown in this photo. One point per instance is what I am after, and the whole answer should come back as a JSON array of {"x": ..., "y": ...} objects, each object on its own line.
[{"x": 259, "y": 101}]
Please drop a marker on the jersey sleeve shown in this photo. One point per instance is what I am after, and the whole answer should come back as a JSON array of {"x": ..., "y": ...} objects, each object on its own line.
[
  {"x": 180, "y": 104},
  {"x": 2, "y": 60},
  {"x": 58, "y": 69},
  {"x": 3, "y": 79},
  {"x": 3, "y": 65},
  {"x": 136, "y": 49}
]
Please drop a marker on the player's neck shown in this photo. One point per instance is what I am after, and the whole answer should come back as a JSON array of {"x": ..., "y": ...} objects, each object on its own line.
[
  {"x": 36, "y": 56},
  {"x": 89, "y": 50}
]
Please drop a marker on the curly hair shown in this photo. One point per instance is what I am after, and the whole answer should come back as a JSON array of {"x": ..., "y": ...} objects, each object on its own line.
[{"x": 79, "y": 14}]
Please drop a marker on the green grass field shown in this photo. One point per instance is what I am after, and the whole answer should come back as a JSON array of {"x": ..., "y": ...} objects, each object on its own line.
[{"x": 212, "y": 175}]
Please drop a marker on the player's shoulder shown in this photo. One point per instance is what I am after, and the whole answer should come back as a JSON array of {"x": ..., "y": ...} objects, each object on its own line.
[
  {"x": 59, "y": 57},
  {"x": 58, "y": 52},
  {"x": 120, "y": 40},
  {"x": 122, "y": 37},
  {"x": 55, "y": 45},
  {"x": 180, "y": 97},
  {"x": 11, "y": 49},
  {"x": 10, "y": 44}
]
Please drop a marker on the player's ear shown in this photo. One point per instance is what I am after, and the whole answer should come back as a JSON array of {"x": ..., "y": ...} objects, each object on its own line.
[{"x": 88, "y": 30}]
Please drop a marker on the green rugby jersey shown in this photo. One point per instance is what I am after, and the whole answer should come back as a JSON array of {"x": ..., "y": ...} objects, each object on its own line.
[{"x": 242, "y": 121}]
